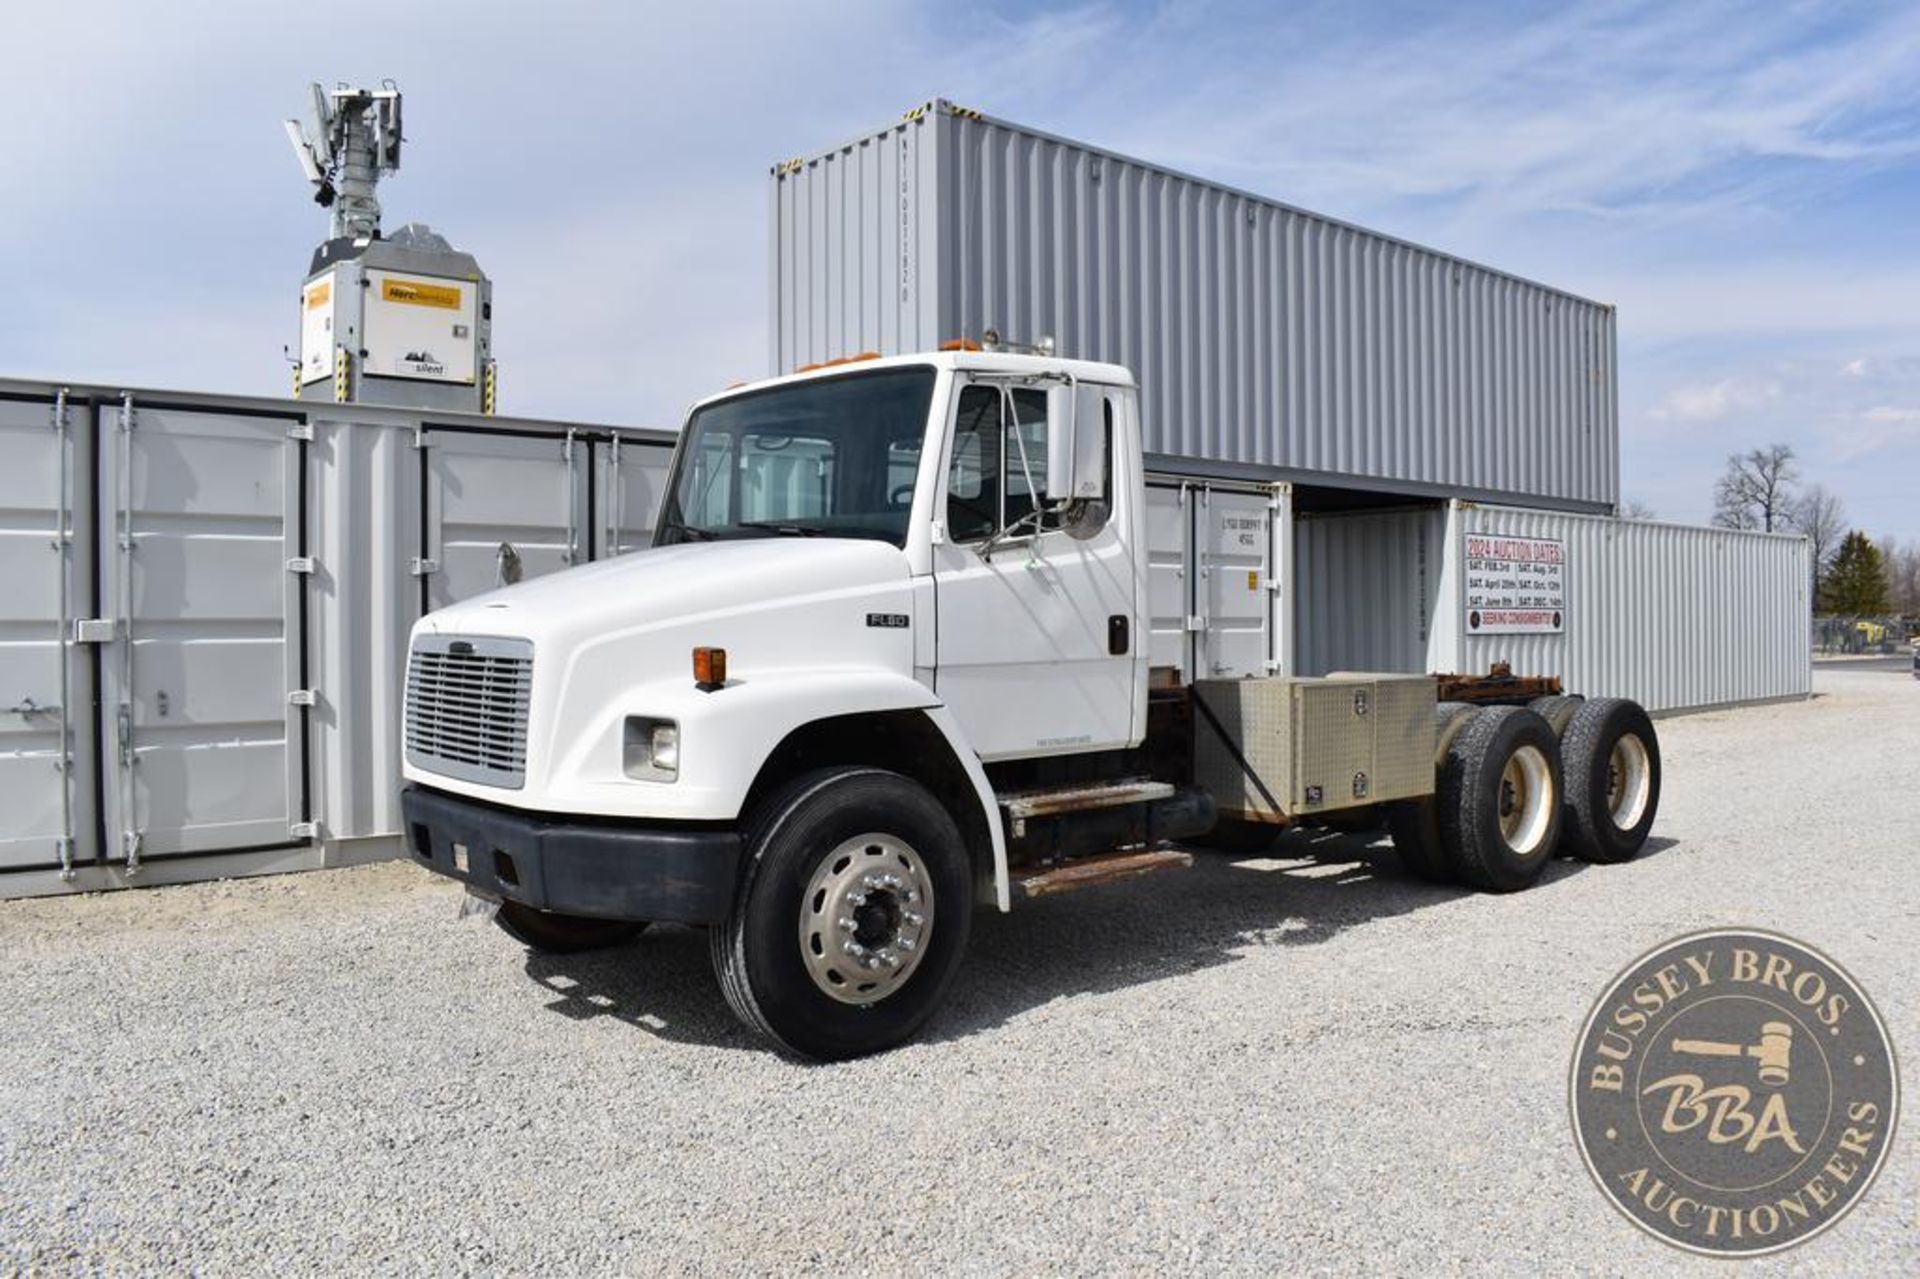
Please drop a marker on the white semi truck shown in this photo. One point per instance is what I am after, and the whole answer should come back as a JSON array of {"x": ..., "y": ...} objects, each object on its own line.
[{"x": 886, "y": 663}]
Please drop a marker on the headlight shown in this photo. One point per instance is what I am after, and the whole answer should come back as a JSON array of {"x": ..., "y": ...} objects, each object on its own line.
[{"x": 650, "y": 749}]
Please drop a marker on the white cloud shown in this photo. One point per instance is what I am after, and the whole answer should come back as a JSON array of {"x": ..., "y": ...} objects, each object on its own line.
[
  {"x": 1714, "y": 400},
  {"x": 1880, "y": 428},
  {"x": 1854, "y": 368},
  {"x": 1594, "y": 109}
]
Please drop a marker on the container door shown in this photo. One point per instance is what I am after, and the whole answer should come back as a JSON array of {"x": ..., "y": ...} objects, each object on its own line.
[
  {"x": 501, "y": 508},
  {"x": 630, "y": 487},
  {"x": 201, "y": 712},
  {"x": 1234, "y": 545},
  {"x": 47, "y": 813},
  {"x": 1169, "y": 578}
]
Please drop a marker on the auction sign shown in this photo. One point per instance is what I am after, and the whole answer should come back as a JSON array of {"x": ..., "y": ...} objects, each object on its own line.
[{"x": 1516, "y": 585}]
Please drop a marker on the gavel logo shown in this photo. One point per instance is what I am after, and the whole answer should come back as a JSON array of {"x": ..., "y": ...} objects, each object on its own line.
[{"x": 1773, "y": 1053}]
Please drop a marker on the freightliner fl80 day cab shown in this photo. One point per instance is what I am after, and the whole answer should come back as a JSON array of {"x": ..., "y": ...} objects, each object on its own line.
[{"x": 886, "y": 664}]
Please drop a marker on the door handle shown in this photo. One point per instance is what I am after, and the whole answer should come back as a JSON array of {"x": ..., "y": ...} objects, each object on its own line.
[{"x": 1118, "y": 637}]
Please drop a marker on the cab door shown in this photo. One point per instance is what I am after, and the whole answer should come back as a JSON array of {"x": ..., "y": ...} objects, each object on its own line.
[{"x": 1035, "y": 648}]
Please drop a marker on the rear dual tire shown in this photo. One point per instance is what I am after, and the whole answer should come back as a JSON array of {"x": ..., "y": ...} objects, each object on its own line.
[
  {"x": 1499, "y": 799},
  {"x": 1415, "y": 824},
  {"x": 1613, "y": 780}
]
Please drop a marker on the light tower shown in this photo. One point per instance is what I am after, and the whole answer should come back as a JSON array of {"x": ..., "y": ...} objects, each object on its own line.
[{"x": 403, "y": 319}]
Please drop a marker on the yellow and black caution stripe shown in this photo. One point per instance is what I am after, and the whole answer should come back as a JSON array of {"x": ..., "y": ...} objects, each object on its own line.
[
  {"x": 490, "y": 388},
  {"x": 964, "y": 113},
  {"x": 297, "y": 371},
  {"x": 342, "y": 375}
]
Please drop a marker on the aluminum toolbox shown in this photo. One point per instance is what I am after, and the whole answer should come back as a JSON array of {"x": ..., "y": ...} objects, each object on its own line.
[{"x": 1273, "y": 748}]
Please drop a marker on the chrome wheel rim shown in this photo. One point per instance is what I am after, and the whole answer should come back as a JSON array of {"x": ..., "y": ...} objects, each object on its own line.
[
  {"x": 1629, "y": 781},
  {"x": 1526, "y": 800},
  {"x": 866, "y": 918}
]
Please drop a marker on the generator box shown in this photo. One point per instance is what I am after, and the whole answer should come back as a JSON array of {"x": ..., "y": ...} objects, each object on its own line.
[
  {"x": 1274, "y": 749},
  {"x": 405, "y": 321}
]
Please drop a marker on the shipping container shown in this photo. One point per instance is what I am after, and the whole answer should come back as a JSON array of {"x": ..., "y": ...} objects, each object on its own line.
[
  {"x": 1674, "y": 617},
  {"x": 1220, "y": 604},
  {"x": 208, "y": 603},
  {"x": 1269, "y": 342},
  {"x": 210, "y": 598}
]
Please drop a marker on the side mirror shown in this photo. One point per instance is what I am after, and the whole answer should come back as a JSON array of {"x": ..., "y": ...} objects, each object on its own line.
[{"x": 1076, "y": 442}]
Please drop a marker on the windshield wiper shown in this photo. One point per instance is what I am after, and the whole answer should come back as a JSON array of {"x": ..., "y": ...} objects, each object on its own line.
[
  {"x": 785, "y": 530},
  {"x": 693, "y": 534}
]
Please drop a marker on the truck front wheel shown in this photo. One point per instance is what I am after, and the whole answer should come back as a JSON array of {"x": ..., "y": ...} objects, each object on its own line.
[
  {"x": 544, "y": 930},
  {"x": 852, "y": 913}
]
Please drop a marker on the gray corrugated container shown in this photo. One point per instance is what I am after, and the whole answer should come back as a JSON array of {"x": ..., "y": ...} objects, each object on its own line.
[
  {"x": 1675, "y": 617},
  {"x": 1269, "y": 342},
  {"x": 243, "y": 573}
]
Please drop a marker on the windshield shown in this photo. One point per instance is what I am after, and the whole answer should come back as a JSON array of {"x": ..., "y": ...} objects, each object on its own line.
[{"x": 835, "y": 457}]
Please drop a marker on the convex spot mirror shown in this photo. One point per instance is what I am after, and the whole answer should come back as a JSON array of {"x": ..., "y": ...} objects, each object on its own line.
[{"x": 1076, "y": 442}]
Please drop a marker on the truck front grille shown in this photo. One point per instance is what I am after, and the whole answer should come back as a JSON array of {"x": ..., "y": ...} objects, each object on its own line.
[{"x": 467, "y": 699}]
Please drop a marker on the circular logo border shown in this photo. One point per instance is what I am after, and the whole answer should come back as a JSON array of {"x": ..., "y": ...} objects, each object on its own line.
[{"x": 1602, "y": 1000}]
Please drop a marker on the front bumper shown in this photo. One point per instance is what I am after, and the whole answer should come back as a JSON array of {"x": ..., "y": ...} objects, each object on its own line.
[{"x": 574, "y": 865}]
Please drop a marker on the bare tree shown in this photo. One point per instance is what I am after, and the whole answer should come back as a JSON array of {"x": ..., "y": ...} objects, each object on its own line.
[
  {"x": 1819, "y": 515},
  {"x": 1757, "y": 489},
  {"x": 1634, "y": 509},
  {"x": 1903, "y": 574},
  {"x": 1906, "y": 579}
]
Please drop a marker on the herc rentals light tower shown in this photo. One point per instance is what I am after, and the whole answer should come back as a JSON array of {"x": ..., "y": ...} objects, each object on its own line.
[{"x": 406, "y": 319}]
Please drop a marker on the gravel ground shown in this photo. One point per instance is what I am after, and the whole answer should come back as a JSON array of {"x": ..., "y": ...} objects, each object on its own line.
[{"x": 1303, "y": 1062}]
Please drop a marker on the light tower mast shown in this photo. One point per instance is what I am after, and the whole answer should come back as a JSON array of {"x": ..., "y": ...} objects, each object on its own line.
[{"x": 406, "y": 319}]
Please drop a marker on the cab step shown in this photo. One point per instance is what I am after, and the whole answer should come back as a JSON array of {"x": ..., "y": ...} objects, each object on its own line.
[
  {"x": 1085, "y": 872},
  {"x": 1053, "y": 801}
]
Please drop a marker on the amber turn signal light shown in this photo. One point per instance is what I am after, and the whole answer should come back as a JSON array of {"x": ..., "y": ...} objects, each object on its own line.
[{"x": 709, "y": 669}]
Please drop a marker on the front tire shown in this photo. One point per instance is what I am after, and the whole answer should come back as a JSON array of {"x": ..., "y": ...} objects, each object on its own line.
[
  {"x": 556, "y": 934},
  {"x": 1499, "y": 799},
  {"x": 1613, "y": 780},
  {"x": 852, "y": 913}
]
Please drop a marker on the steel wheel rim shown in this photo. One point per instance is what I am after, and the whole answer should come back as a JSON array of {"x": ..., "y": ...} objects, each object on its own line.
[
  {"x": 866, "y": 918},
  {"x": 1629, "y": 781},
  {"x": 1525, "y": 800}
]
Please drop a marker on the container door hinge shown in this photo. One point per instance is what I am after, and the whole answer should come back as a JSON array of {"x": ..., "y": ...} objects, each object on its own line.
[
  {"x": 1194, "y": 622},
  {"x": 422, "y": 567},
  {"x": 300, "y": 697},
  {"x": 300, "y": 564},
  {"x": 1271, "y": 666},
  {"x": 93, "y": 630},
  {"x": 64, "y": 848},
  {"x": 304, "y": 431},
  {"x": 304, "y": 830}
]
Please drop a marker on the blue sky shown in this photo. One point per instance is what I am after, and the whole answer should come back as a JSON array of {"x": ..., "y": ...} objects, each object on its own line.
[{"x": 1741, "y": 180}]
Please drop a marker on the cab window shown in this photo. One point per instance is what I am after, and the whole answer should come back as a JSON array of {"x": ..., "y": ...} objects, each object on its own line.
[{"x": 998, "y": 473}]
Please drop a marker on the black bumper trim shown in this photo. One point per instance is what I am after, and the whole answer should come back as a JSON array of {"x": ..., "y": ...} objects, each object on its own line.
[{"x": 573, "y": 865}]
